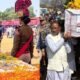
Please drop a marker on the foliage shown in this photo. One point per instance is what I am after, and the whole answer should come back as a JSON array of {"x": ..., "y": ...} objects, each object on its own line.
[
  {"x": 31, "y": 12},
  {"x": 9, "y": 14}
]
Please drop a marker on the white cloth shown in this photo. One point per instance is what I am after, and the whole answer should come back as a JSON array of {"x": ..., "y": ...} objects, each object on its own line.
[
  {"x": 71, "y": 56},
  {"x": 74, "y": 11},
  {"x": 10, "y": 31},
  {"x": 72, "y": 22},
  {"x": 54, "y": 75},
  {"x": 57, "y": 53}
]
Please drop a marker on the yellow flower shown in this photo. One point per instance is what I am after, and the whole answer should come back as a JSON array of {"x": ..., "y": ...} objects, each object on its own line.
[{"x": 74, "y": 4}]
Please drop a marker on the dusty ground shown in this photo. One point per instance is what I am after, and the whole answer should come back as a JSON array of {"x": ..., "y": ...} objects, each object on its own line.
[{"x": 7, "y": 44}]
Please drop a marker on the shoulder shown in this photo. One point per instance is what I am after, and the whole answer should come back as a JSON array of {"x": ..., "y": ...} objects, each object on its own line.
[{"x": 48, "y": 36}]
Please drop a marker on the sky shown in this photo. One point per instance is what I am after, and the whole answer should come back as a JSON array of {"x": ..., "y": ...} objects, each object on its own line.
[{"x": 11, "y": 3}]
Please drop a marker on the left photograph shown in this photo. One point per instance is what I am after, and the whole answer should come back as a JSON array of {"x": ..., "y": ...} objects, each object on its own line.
[{"x": 19, "y": 27}]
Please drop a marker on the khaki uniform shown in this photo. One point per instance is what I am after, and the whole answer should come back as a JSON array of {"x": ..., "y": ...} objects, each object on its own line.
[{"x": 22, "y": 35}]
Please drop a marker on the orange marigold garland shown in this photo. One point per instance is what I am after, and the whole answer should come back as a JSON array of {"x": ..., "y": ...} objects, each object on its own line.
[
  {"x": 21, "y": 75},
  {"x": 14, "y": 69}
]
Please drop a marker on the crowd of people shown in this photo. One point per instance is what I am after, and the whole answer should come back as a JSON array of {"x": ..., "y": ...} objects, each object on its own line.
[{"x": 59, "y": 51}]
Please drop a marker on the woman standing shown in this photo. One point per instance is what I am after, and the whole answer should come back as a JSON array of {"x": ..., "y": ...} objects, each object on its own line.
[{"x": 23, "y": 41}]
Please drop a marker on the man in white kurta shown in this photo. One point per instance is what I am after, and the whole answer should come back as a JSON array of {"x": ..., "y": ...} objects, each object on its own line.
[{"x": 58, "y": 68}]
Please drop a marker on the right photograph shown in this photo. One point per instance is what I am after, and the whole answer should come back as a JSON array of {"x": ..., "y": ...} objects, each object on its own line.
[{"x": 58, "y": 39}]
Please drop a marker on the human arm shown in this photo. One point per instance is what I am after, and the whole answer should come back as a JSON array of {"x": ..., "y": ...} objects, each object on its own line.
[
  {"x": 54, "y": 47},
  {"x": 16, "y": 43},
  {"x": 68, "y": 47}
]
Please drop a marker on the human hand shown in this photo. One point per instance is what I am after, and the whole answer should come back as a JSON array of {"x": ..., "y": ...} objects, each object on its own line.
[{"x": 67, "y": 35}]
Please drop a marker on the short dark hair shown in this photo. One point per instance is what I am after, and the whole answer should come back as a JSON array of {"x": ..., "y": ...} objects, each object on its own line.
[
  {"x": 42, "y": 21},
  {"x": 55, "y": 22},
  {"x": 25, "y": 19}
]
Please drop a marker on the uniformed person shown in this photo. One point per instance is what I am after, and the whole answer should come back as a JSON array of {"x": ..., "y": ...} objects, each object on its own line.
[
  {"x": 43, "y": 31},
  {"x": 22, "y": 36}
]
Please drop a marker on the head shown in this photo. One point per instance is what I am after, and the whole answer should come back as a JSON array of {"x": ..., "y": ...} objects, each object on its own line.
[
  {"x": 51, "y": 19},
  {"x": 46, "y": 16},
  {"x": 43, "y": 23},
  {"x": 55, "y": 28},
  {"x": 24, "y": 20}
]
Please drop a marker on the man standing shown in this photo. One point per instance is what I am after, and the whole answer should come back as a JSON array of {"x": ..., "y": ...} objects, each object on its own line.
[
  {"x": 58, "y": 67},
  {"x": 43, "y": 31}
]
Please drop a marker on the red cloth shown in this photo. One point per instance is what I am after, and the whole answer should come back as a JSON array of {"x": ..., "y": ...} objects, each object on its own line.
[
  {"x": 25, "y": 47},
  {"x": 22, "y": 5}
]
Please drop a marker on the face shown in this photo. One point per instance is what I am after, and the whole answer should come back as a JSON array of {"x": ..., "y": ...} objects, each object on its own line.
[
  {"x": 55, "y": 28},
  {"x": 43, "y": 23}
]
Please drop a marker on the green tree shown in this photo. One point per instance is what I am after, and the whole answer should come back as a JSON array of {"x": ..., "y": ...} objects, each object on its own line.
[
  {"x": 9, "y": 14},
  {"x": 1, "y": 16},
  {"x": 31, "y": 12}
]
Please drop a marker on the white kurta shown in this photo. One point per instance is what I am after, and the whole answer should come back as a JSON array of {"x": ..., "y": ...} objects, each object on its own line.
[
  {"x": 57, "y": 54},
  {"x": 58, "y": 68}
]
